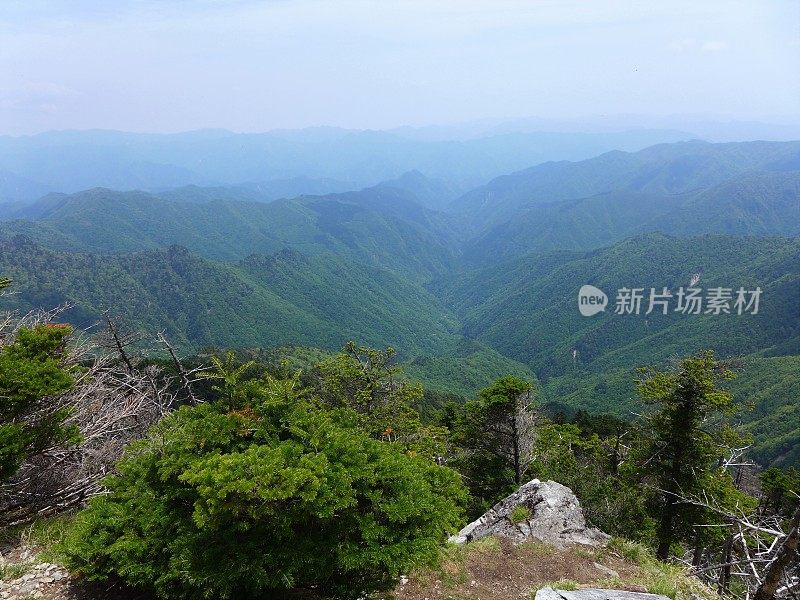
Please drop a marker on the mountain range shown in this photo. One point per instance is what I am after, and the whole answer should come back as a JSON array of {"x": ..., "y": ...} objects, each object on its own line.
[
  {"x": 466, "y": 285},
  {"x": 283, "y": 163}
]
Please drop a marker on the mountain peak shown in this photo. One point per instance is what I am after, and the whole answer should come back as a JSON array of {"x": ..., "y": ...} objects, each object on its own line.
[{"x": 430, "y": 193}]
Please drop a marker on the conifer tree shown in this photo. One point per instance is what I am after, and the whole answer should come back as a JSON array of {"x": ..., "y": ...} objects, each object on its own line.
[
  {"x": 683, "y": 449},
  {"x": 496, "y": 434}
]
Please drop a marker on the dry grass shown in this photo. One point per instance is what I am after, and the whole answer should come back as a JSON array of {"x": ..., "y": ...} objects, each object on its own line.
[
  {"x": 12, "y": 570},
  {"x": 496, "y": 569}
]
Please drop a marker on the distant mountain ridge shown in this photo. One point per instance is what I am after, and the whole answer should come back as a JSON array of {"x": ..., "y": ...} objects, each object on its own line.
[
  {"x": 664, "y": 169},
  {"x": 755, "y": 203},
  {"x": 71, "y": 161},
  {"x": 680, "y": 189}
]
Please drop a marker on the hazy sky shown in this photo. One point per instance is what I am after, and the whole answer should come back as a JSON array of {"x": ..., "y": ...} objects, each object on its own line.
[{"x": 170, "y": 65}]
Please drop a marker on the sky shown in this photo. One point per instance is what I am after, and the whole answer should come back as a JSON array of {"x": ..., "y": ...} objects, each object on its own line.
[{"x": 244, "y": 65}]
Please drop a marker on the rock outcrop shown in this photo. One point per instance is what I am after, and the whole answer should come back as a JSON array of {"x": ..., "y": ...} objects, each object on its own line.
[
  {"x": 594, "y": 594},
  {"x": 539, "y": 510},
  {"x": 42, "y": 580}
]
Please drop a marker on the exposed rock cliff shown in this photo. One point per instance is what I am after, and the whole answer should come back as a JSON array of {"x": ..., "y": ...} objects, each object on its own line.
[{"x": 539, "y": 510}]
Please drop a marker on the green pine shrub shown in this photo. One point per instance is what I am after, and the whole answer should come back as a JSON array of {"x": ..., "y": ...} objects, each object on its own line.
[{"x": 277, "y": 494}]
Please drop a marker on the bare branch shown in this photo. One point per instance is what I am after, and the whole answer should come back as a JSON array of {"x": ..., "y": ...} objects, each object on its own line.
[{"x": 183, "y": 373}]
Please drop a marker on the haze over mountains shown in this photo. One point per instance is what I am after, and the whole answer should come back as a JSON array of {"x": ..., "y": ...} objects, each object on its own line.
[
  {"x": 286, "y": 163},
  {"x": 464, "y": 255}
]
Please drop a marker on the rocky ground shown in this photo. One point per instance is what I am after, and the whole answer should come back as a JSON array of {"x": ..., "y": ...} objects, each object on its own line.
[
  {"x": 44, "y": 580},
  {"x": 25, "y": 576},
  {"x": 488, "y": 569}
]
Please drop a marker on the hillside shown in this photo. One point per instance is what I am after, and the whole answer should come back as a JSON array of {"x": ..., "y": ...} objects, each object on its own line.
[
  {"x": 664, "y": 169},
  {"x": 389, "y": 225},
  {"x": 766, "y": 390},
  {"x": 527, "y": 308},
  {"x": 496, "y": 569},
  {"x": 263, "y": 191},
  {"x": 461, "y": 300},
  {"x": 380, "y": 226},
  {"x": 14, "y": 188},
  {"x": 755, "y": 204},
  {"x": 431, "y": 193},
  {"x": 262, "y": 301}
]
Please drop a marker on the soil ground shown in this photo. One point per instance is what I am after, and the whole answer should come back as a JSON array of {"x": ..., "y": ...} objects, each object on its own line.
[
  {"x": 496, "y": 569},
  {"x": 490, "y": 569}
]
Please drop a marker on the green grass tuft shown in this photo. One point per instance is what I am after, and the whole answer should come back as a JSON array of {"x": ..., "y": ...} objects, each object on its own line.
[
  {"x": 44, "y": 535},
  {"x": 12, "y": 571},
  {"x": 630, "y": 551},
  {"x": 520, "y": 513},
  {"x": 655, "y": 576}
]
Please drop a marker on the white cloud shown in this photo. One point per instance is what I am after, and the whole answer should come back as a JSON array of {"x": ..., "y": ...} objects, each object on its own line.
[
  {"x": 689, "y": 45},
  {"x": 714, "y": 46},
  {"x": 681, "y": 45}
]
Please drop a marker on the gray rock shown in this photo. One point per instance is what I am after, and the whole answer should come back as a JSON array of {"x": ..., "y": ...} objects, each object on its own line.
[
  {"x": 607, "y": 570},
  {"x": 554, "y": 517},
  {"x": 594, "y": 594}
]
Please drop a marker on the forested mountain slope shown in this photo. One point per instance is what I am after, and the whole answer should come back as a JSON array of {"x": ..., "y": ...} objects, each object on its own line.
[
  {"x": 262, "y": 301},
  {"x": 14, "y": 188},
  {"x": 461, "y": 300},
  {"x": 388, "y": 225},
  {"x": 262, "y": 191},
  {"x": 661, "y": 170},
  {"x": 431, "y": 193},
  {"x": 379, "y": 226},
  {"x": 284, "y": 298},
  {"x": 527, "y": 308},
  {"x": 766, "y": 389},
  {"x": 758, "y": 203}
]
